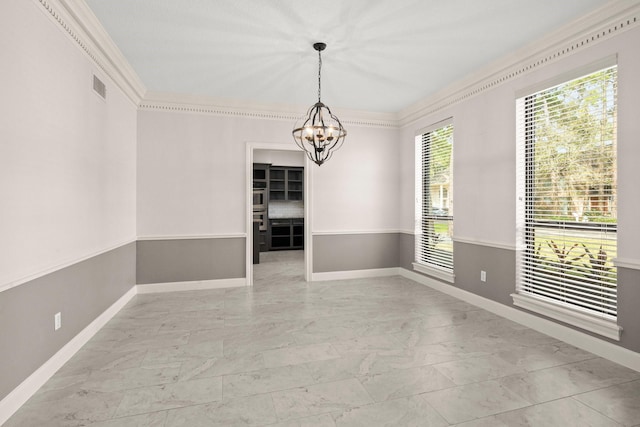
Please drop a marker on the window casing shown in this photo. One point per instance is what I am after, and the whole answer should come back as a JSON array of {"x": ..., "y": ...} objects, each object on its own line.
[
  {"x": 567, "y": 206},
  {"x": 434, "y": 202}
]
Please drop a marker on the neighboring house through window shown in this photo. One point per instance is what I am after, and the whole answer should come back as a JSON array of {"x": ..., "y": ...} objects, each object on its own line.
[
  {"x": 567, "y": 200},
  {"x": 434, "y": 201}
]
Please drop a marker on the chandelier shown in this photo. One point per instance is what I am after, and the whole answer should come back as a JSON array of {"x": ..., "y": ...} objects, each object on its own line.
[{"x": 321, "y": 133}]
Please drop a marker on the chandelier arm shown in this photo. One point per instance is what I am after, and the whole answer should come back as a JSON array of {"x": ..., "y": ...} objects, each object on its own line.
[{"x": 317, "y": 116}]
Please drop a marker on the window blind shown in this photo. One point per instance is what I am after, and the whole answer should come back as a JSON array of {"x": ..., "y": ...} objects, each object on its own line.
[
  {"x": 567, "y": 194},
  {"x": 434, "y": 245}
]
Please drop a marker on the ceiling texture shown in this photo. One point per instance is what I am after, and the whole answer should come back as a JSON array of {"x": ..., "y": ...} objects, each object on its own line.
[{"x": 382, "y": 55}]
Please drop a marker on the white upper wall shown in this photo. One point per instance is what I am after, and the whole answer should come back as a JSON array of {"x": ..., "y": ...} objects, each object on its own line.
[
  {"x": 357, "y": 189},
  {"x": 67, "y": 157},
  {"x": 279, "y": 158},
  {"x": 191, "y": 175},
  {"x": 485, "y": 151}
]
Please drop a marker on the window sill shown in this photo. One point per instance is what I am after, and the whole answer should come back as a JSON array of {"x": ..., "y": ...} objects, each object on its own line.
[
  {"x": 438, "y": 273},
  {"x": 597, "y": 325}
]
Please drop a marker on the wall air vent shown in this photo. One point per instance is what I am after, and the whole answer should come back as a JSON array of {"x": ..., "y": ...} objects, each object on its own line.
[{"x": 99, "y": 87}]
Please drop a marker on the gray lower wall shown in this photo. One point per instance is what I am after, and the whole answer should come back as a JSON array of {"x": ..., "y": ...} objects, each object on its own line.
[
  {"x": 629, "y": 307},
  {"x": 407, "y": 250},
  {"x": 500, "y": 265},
  {"x": 184, "y": 260},
  {"x": 345, "y": 252},
  {"x": 80, "y": 292}
]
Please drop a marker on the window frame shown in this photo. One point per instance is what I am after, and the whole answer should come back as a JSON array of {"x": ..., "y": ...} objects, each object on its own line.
[
  {"x": 420, "y": 265},
  {"x": 602, "y": 325}
]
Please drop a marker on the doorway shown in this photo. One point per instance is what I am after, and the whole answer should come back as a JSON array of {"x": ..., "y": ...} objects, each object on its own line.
[{"x": 284, "y": 223}]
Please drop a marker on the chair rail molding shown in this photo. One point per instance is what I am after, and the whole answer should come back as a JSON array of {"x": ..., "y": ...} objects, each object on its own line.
[{"x": 66, "y": 263}]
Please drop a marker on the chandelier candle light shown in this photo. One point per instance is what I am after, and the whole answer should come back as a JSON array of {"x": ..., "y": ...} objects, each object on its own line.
[{"x": 321, "y": 132}]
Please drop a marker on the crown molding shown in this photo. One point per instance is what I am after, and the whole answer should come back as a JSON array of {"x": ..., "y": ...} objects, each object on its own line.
[
  {"x": 78, "y": 22},
  {"x": 162, "y": 101},
  {"x": 603, "y": 23}
]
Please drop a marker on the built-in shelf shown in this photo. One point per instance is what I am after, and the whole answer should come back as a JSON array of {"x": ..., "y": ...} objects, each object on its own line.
[
  {"x": 287, "y": 233},
  {"x": 286, "y": 183}
]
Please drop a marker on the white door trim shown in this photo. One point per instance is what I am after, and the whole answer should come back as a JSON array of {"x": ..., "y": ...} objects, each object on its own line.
[{"x": 308, "y": 246}]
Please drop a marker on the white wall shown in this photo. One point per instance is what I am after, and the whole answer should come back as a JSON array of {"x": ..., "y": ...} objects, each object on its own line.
[
  {"x": 191, "y": 175},
  {"x": 67, "y": 157},
  {"x": 484, "y": 151},
  {"x": 357, "y": 190},
  {"x": 279, "y": 158}
]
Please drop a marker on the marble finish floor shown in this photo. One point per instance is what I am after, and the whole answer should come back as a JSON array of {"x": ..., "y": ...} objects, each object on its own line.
[{"x": 367, "y": 352}]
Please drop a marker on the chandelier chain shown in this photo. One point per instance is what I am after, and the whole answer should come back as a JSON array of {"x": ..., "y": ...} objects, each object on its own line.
[{"x": 319, "y": 70}]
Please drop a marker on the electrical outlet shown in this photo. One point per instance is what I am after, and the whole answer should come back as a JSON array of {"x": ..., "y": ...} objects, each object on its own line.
[
  {"x": 483, "y": 276},
  {"x": 57, "y": 321}
]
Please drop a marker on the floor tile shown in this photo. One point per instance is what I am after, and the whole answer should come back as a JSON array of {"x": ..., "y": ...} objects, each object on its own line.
[
  {"x": 254, "y": 410},
  {"x": 153, "y": 419},
  {"x": 620, "y": 402},
  {"x": 413, "y": 357},
  {"x": 299, "y": 354},
  {"x": 366, "y": 344},
  {"x": 529, "y": 337},
  {"x": 217, "y": 366},
  {"x": 260, "y": 341},
  {"x": 132, "y": 378},
  {"x": 79, "y": 409},
  {"x": 181, "y": 353},
  {"x": 324, "y": 420},
  {"x": 421, "y": 337},
  {"x": 187, "y": 321},
  {"x": 111, "y": 333},
  {"x": 265, "y": 380},
  {"x": 60, "y": 387},
  {"x": 86, "y": 361},
  {"x": 564, "y": 412},
  {"x": 405, "y": 322},
  {"x": 466, "y": 402},
  {"x": 169, "y": 396},
  {"x": 477, "y": 369},
  {"x": 153, "y": 341},
  {"x": 320, "y": 398},
  {"x": 406, "y": 412},
  {"x": 345, "y": 367},
  {"x": 404, "y": 382},
  {"x": 544, "y": 356},
  {"x": 205, "y": 335},
  {"x": 484, "y": 344},
  {"x": 330, "y": 329},
  {"x": 562, "y": 381}
]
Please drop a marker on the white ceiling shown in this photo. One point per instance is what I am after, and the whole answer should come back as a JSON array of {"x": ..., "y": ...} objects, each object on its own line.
[{"x": 382, "y": 55}]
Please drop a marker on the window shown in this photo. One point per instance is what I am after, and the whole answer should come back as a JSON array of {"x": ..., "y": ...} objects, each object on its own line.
[
  {"x": 434, "y": 205},
  {"x": 567, "y": 202}
]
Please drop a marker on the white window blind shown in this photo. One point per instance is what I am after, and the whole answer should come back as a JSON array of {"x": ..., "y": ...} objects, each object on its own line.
[
  {"x": 434, "y": 199},
  {"x": 567, "y": 205}
]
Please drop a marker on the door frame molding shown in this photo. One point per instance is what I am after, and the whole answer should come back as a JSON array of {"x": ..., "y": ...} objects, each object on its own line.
[{"x": 308, "y": 246}]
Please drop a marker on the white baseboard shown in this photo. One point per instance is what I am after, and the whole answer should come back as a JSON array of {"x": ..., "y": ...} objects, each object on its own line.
[
  {"x": 355, "y": 274},
  {"x": 602, "y": 348},
  {"x": 19, "y": 395},
  {"x": 195, "y": 285}
]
